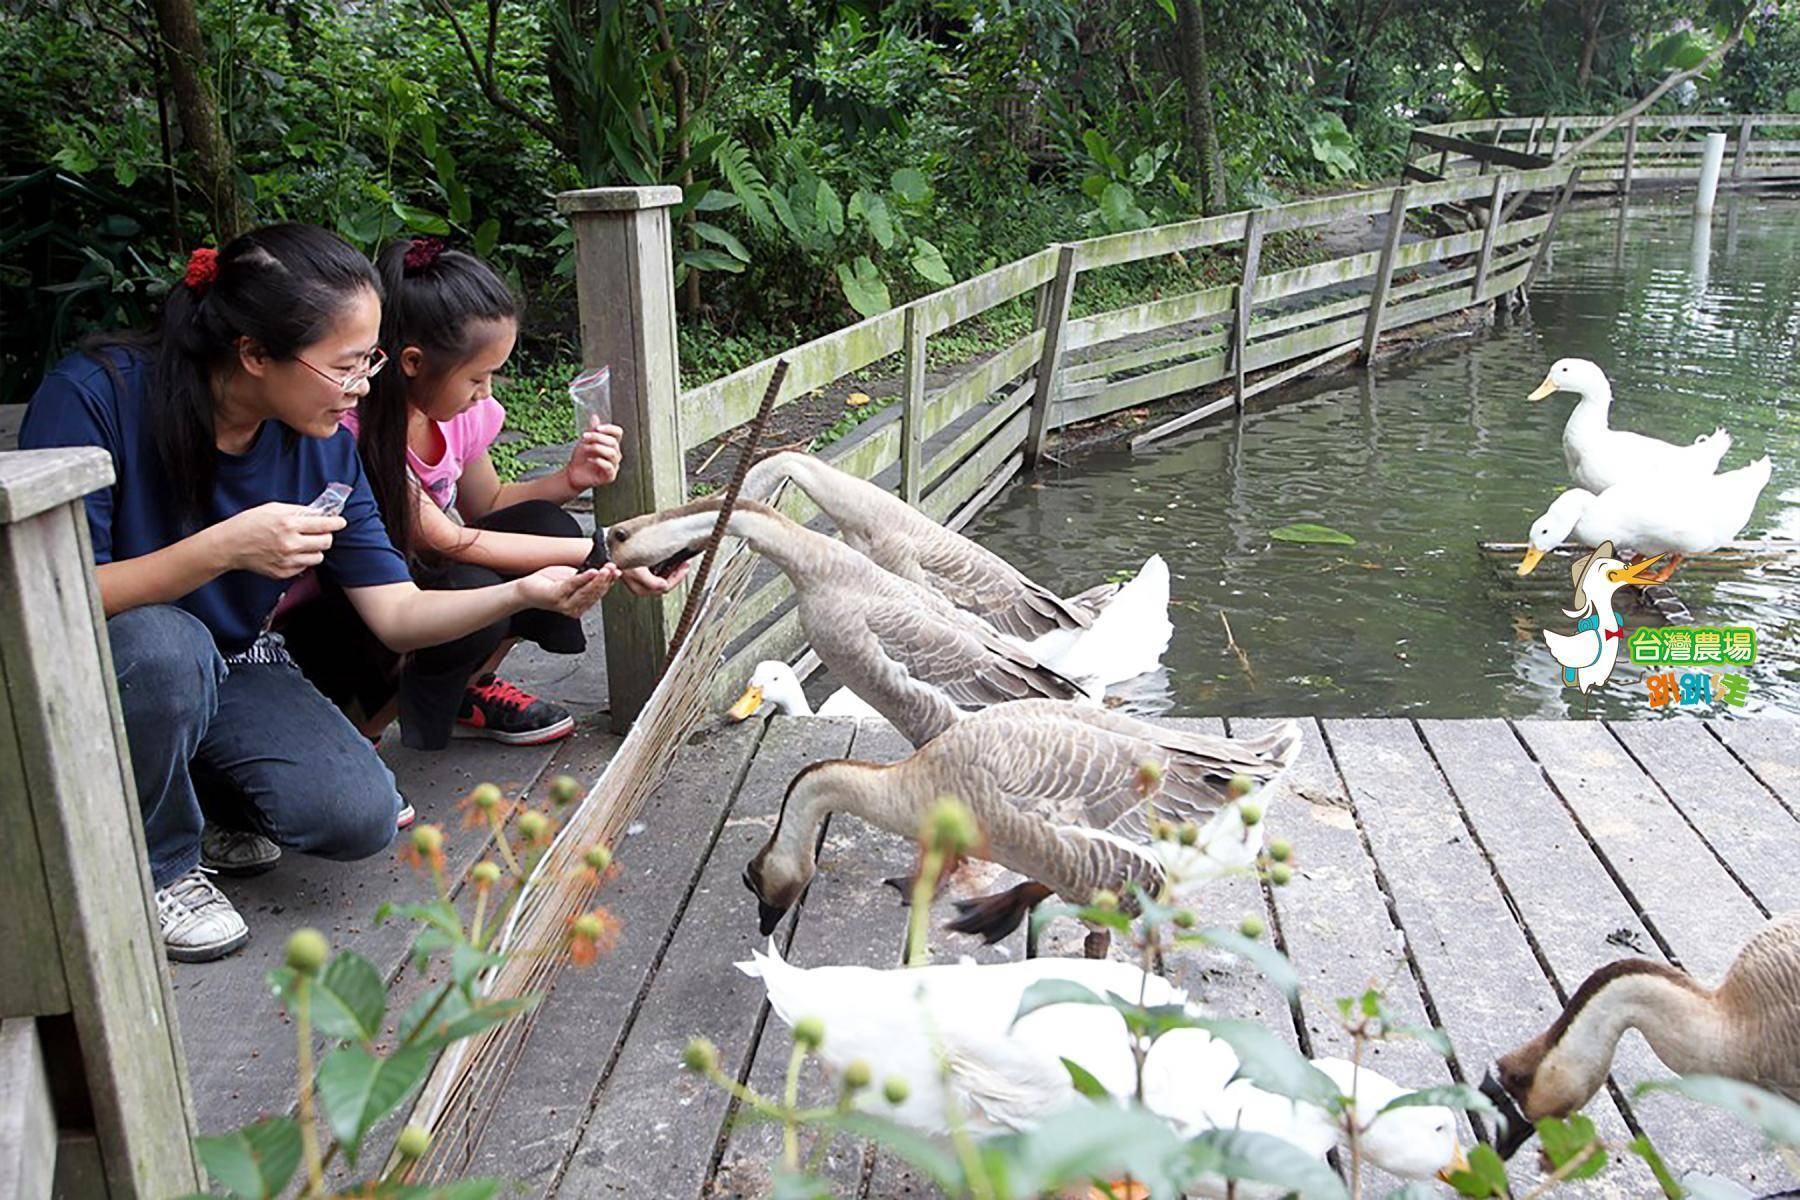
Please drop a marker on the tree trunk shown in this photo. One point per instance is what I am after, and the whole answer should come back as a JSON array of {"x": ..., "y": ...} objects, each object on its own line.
[
  {"x": 1196, "y": 80},
  {"x": 184, "y": 55},
  {"x": 1592, "y": 15}
]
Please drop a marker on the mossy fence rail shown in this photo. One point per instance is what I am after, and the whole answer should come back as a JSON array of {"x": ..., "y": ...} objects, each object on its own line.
[{"x": 1475, "y": 239}]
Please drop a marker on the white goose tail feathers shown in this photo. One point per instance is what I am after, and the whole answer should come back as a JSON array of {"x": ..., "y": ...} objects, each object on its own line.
[
  {"x": 1129, "y": 635},
  {"x": 1717, "y": 445}
]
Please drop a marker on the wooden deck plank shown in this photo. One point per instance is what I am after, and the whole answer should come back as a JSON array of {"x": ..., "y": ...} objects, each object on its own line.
[
  {"x": 654, "y": 1129},
  {"x": 1744, "y": 824},
  {"x": 1480, "y": 975},
  {"x": 581, "y": 1024},
  {"x": 1770, "y": 749},
  {"x": 1692, "y": 905},
  {"x": 1577, "y": 919},
  {"x": 848, "y": 917},
  {"x": 240, "y": 1050}
]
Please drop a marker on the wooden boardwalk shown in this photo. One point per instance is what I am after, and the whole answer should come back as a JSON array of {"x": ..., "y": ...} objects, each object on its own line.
[{"x": 1476, "y": 871}]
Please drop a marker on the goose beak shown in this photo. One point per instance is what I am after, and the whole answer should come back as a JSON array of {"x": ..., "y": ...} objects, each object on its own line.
[
  {"x": 1543, "y": 389},
  {"x": 1511, "y": 1129},
  {"x": 1630, "y": 574},
  {"x": 747, "y": 704},
  {"x": 768, "y": 917},
  {"x": 1458, "y": 1162},
  {"x": 1533, "y": 556}
]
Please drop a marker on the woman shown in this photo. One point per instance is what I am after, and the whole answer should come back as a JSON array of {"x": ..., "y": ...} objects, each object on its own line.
[{"x": 223, "y": 426}]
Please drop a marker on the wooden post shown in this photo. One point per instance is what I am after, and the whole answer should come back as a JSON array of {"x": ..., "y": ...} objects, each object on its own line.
[
  {"x": 1384, "y": 274},
  {"x": 78, "y": 929},
  {"x": 1053, "y": 319},
  {"x": 1240, "y": 328},
  {"x": 27, "y": 1117},
  {"x": 1495, "y": 200},
  {"x": 1562, "y": 128},
  {"x": 1743, "y": 149},
  {"x": 1630, "y": 157},
  {"x": 912, "y": 412},
  {"x": 625, "y": 289},
  {"x": 1543, "y": 246}
]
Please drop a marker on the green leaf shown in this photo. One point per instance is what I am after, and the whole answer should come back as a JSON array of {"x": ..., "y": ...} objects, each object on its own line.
[
  {"x": 466, "y": 962},
  {"x": 357, "y": 1089},
  {"x": 829, "y": 208},
  {"x": 1452, "y": 1095},
  {"x": 1697, "y": 1185},
  {"x": 421, "y": 220},
  {"x": 255, "y": 1162},
  {"x": 1271, "y": 1064},
  {"x": 721, "y": 237},
  {"x": 1258, "y": 953},
  {"x": 1046, "y": 992},
  {"x": 928, "y": 261},
  {"x": 911, "y": 185},
  {"x": 1306, "y": 531},
  {"x": 1088, "y": 1142},
  {"x": 704, "y": 259},
  {"x": 874, "y": 212},
  {"x": 919, "y": 1151},
  {"x": 863, "y": 286},
  {"x": 1261, "y": 1158},
  {"x": 717, "y": 200},
  {"x": 1084, "y": 1080},
  {"x": 349, "y": 999},
  {"x": 1437, "y": 1039},
  {"x": 487, "y": 236},
  {"x": 445, "y": 1032},
  {"x": 1777, "y": 1117},
  {"x": 1118, "y": 208},
  {"x": 1486, "y": 1175},
  {"x": 1665, "y": 1179}
]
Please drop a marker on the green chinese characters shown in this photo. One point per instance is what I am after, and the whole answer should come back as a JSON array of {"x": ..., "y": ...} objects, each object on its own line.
[{"x": 1686, "y": 645}]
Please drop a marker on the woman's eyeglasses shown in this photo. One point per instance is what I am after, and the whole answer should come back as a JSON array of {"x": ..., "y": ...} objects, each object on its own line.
[{"x": 372, "y": 365}]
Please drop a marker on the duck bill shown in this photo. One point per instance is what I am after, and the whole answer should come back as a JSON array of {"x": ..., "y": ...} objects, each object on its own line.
[
  {"x": 1533, "y": 556},
  {"x": 1459, "y": 1162},
  {"x": 1543, "y": 389},
  {"x": 768, "y": 917},
  {"x": 1511, "y": 1129},
  {"x": 1630, "y": 574},
  {"x": 747, "y": 704}
]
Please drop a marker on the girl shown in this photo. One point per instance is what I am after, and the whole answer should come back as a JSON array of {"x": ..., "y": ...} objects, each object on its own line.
[
  {"x": 424, "y": 429},
  {"x": 222, "y": 426}
]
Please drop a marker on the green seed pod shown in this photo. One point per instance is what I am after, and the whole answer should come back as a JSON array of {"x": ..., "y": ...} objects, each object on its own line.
[
  {"x": 1184, "y": 919},
  {"x": 895, "y": 1091},
  {"x": 951, "y": 827},
  {"x": 486, "y": 797},
  {"x": 565, "y": 789},
  {"x": 1105, "y": 900},
  {"x": 486, "y": 874},
  {"x": 587, "y": 927},
  {"x": 598, "y": 857},
  {"x": 700, "y": 1056},
  {"x": 1190, "y": 834},
  {"x": 1251, "y": 927},
  {"x": 858, "y": 1075},
  {"x": 1249, "y": 813},
  {"x": 1281, "y": 850},
  {"x": 1240, "y": 786},
  {"x": 809, "y": 1032},
  {"x": 412, "y": 1143},
  {"x": 1281, "y": 874},
  {"x": 532, "y": 825},
  {"x": 1161, "y": 831},
  {"x": 307, "y": 951},
  {"x": 428, "y": 839}
]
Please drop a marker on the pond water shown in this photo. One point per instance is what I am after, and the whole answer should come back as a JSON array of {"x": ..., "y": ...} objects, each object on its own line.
[{"x": 1422, "y": 459}]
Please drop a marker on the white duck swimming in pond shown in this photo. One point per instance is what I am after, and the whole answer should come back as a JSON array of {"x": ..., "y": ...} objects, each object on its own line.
[
  {"x": 1105, "y": 635},
  {"x": 1677, "y": 517},
  {"x": 1599, "y": 457},
  {"x": 949, "y": 1031},
  {"x": 1588, "y": 655},
  {"x": 774, "y": 684}
]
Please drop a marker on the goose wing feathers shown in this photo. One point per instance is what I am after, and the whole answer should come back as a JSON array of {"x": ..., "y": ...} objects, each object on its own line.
[
  {"x": 982, "y": 582},
  {"x": 960, "y": 656}
]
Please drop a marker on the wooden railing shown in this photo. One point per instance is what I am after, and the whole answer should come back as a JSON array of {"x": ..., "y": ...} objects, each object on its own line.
[
  {"x": 949, "y": 449},
  {"x": 1762, "y": 148}
]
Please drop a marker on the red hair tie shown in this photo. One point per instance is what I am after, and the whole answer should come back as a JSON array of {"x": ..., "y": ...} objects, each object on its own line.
[
  {"x": 202, "y": 268},
  {"x": 422, "y": 253}
]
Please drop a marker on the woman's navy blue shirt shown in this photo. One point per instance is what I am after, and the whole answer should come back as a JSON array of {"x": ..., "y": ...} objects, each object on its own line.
[{"x": 81, "y": 403}]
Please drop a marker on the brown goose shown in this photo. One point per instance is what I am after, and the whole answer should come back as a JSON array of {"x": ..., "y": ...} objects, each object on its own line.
[
  {"x": 912, "y": 655},
  {"x": 904, "y": 540},
  {"x": 1055, "y": 789},
  {"x": 1747, "y": 1028}
]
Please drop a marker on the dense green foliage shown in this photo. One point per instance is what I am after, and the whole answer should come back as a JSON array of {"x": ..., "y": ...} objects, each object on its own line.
[{"x": 838, "y": 156}]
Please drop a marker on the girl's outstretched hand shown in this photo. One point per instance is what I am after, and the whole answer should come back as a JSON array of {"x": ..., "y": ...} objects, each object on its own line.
[
  {"x": 566, "y": 590},
  {"x": 594, "y": 462},
  {"x": 642, "y": 581}
]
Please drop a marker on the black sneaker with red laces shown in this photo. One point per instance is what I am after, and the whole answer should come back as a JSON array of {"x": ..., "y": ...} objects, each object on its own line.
[{"x": 493, "y": 708}]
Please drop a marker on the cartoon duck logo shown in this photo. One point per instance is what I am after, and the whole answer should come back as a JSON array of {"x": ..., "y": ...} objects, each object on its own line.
[{"x": 1589, "y": 654}]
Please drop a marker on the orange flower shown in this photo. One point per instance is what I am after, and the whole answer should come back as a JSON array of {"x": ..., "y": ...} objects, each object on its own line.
[
  {"x": 424, "y": 850},
  {"x": 591, "y": 935}
]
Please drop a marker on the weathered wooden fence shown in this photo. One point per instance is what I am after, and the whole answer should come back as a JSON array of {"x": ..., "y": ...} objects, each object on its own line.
[
  {"x": 949, "y": 449},
  {"x": 1763, "y": 148},
  {"x": 93, "y": 1092}
]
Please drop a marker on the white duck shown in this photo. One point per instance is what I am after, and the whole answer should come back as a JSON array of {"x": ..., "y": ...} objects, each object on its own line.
[
  {"x": 1587, "y": 656},
  {"x": 777, "y": 685},
  {"x": 1600, "y": 457},
  {"x": 1653, "y": 516},
  {"x": 949, "y": 1031}
]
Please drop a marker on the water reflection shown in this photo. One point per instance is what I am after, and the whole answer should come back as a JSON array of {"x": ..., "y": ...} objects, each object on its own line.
[{"x": 1421, "y": 459}]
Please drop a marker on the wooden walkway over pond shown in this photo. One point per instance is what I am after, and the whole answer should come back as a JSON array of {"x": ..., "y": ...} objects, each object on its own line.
[{"x": 1476, "y": 871}]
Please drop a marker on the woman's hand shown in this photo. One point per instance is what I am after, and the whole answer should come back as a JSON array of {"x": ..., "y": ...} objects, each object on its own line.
[
  {"x": 642, "y": 581},
  {"x": 594, "y": 462},
  {"x": 277, "y": 540},
  {"x": 566, "y": 590}
]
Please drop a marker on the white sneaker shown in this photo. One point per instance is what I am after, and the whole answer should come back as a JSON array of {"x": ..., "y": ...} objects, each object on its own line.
[
  {"x": 236, "y": 852},
  {"x": 198, "y": 922}
]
